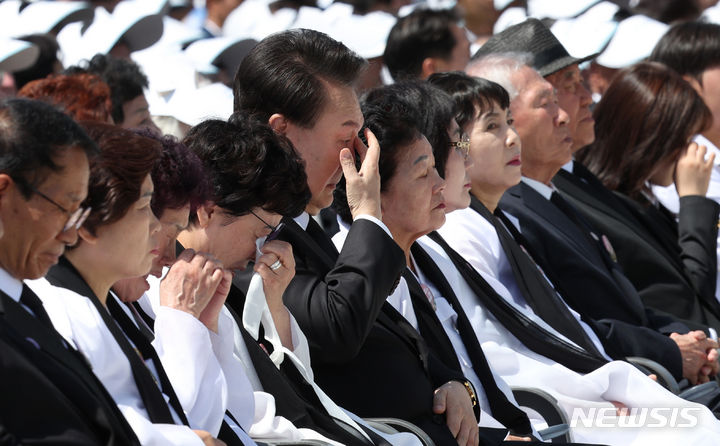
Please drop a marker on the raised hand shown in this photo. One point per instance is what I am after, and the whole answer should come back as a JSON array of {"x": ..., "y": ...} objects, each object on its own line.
[
  {"x": 363, "y": 186},
  {"x": 192, "y": 284},
  {"x": 276, "y": 266},
  {"x": 692, "y": 173}
]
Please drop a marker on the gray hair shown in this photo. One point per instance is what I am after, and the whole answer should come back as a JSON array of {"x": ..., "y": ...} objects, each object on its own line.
[{"x": 499, "y": 68}]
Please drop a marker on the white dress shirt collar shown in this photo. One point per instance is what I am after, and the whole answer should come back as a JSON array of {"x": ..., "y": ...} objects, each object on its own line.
[
  {"x": 10, "y": 285},
  {"x": 543, "y": 189},
  {"x": 303, "y": 220},
  {"x": 569, "y": 166}
]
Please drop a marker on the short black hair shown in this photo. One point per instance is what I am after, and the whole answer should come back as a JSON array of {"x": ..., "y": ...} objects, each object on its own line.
[
  {"x": 45, "y": 63},
  {"x": 32, "y": 135},
  {"x": 362, "y": 7},
  {"x": 471, "y": 94},
  {"x": 124, "y": 77},
  {"x": 423, "y": 33},
  {"x": 284, "y": 74},
  {"x": 249, "y": 166},
  {"x": 689, "y": 48},
  {"x": 667, "y": 11}
]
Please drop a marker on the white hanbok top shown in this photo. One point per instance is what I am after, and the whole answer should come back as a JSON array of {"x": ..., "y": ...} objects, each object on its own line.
[
  {"x": 78, "y": 321},
  {"x": 475, "y": 239},
  {"x": 253, "y": 410}
]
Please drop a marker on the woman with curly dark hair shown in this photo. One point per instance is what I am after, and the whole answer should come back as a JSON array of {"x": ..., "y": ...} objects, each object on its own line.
[{"x": 256, "y": 179}]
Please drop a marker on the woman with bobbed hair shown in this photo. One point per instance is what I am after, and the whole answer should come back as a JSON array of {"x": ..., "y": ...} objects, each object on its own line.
[
  {"x": 255, "y": 178},
  {"x": 119, "y": 240},
  {"x": 85, "y": 97},
  {"x": 644, "y": 124}
]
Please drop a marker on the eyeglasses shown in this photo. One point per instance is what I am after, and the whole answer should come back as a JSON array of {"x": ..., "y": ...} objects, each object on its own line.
[
  {"x": 75, "y": 218},
  {"x": 462, "y": 146},
  {"x": 274, "y": 230}
]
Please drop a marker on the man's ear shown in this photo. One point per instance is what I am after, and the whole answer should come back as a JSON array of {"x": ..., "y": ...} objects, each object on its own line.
[
  {"x": 693, "y": 83},
  {"x": 205, "y": 213},
  {"x": 86, "y": 236},
  {"x": 6, "y": 183},
  {"x": 428, "y": 67},
  {"x": 278, "y": 123}
]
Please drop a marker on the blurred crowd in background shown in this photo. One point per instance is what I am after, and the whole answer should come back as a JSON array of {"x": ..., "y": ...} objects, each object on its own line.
[{"x": 183, "y": 54}]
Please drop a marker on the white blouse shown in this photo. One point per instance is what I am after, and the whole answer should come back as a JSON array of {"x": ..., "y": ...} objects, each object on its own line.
[{"x": 77, "y": 320}]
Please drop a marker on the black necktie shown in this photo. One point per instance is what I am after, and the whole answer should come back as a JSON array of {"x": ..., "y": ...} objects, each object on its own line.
[
  {"x": 30, "y": 300},
  {"x": 584, "y": 226},
  {"x": 155, "y": 404},
  {"x": 536, "y": 290},
  {"x": 320, "y": 237},
  {"x": 147, "y": 351}
]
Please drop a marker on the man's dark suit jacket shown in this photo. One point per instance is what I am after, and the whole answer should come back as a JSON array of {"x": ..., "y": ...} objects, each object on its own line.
[
  {"x": 672, "y": 266},
  {"x": 365, "y": 355},
  {"x": 572, "y": 258},
  {"x": 621, "y": 339},
  {"x": 48, "y": 393}
]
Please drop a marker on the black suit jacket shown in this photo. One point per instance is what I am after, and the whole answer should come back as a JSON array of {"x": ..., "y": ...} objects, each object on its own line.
[
  {"x": 585, "y": 276},
  {"x": 48, "y": 394},
  {"x": 648, "y": 246},
  {"x": 365, "y": 355},
  {"x": 584, "y": 271},
  {"x": 618, "y": 338}
]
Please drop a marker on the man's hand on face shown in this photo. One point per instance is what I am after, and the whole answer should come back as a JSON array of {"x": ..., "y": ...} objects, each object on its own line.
[{"x": 363, "y": 186}]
